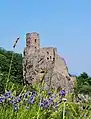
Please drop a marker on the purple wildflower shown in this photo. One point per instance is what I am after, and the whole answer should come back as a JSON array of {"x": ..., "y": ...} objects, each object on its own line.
[
  {"x": 1, "y": 99},
  {"x": 41, "y": 104},
  {"x": 44, "y": 103},
  {"x": 34, "y": 93},
  {"x": 63, "y": 92},
  {"x": 49, "y": 93},
  {"x": 18, "y": 99},
  {"x": 31, "y": 100},
  {"x": 51, "y": 102},
  {"x": 8, "y": 94}
]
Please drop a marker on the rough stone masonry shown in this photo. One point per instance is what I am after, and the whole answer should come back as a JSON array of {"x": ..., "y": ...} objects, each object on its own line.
[{"x": 45, "y": 64}]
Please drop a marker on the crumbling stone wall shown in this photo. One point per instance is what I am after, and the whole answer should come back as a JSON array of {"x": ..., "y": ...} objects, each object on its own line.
[
  {"x": 49, "y": 53},
  {"x": 45, "y": 62}
]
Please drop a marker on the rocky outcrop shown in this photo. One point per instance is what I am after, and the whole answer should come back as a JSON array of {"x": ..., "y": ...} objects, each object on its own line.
[{"x": 45, "y": 64}]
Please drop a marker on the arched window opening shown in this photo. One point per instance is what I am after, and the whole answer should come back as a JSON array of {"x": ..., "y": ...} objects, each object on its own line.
[
  {"x": 35, "y": 40},
  {"x": 47, "y": 58},
  {"x": 47, "y": 53}
]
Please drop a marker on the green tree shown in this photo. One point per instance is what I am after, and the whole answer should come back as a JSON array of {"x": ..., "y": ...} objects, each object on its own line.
[
  {"x": 16, "y": 74},
  {"x": 83, "y": 84}
]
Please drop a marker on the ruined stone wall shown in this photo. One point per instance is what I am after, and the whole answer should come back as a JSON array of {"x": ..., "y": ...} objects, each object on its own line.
[
  {"x": 49, "y": 53},
  {"x": 45, "y": 62},
  {"x": 60, "y": 65}
]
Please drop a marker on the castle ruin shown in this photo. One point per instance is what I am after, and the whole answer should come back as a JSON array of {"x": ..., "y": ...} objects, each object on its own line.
[{"x": 45, "y": 63}]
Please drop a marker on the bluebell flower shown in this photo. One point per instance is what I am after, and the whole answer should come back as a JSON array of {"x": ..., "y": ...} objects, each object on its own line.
[
  {"x": 31, "y": 97},
  {"x": 49, "y": 93},
  {"x": 44, "y": 103},
  {"x": 18, "y": 99},
  {"x": 50, "y": 98},
  {"x": 51, "y": 102},
  {"x": 41, "y": 104},
  {"x": 31, "y": 100},
  {"x": 1, "y": 99},
  {"x": 63, "y": 92},
  {"x": 8, "y": 94},
  {"x": 34, "y": 93}
]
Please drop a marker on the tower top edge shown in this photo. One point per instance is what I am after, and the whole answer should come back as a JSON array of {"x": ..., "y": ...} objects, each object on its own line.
[{"x": 32, "y": 33}]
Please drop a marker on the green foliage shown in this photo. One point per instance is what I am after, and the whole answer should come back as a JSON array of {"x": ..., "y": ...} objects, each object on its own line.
[
  {"x": 83, "y": 84},
  {"x": 66, "y": 110},
  {"x": 16, "y": 72}
]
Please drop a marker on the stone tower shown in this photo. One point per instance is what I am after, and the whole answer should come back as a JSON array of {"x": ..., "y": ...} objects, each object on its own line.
[
  {"x": 32, "y": 42},
  {"x": 45, "y": 62}
]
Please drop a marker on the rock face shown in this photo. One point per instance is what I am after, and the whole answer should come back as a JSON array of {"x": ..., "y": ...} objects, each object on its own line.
[{"x": 45, "y": 64}]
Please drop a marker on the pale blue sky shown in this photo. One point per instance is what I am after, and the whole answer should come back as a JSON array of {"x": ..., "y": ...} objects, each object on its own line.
[{"x": 65, "y": 24}]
